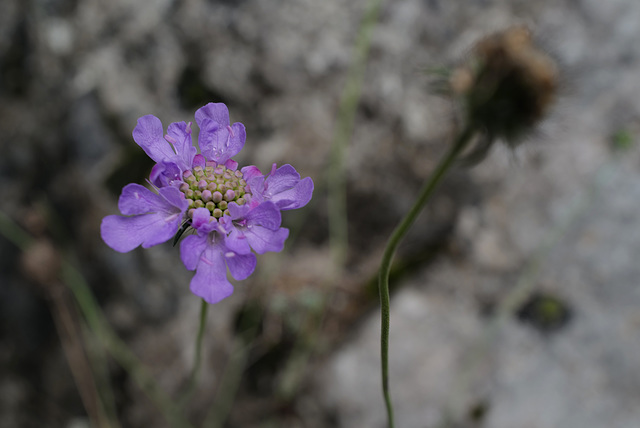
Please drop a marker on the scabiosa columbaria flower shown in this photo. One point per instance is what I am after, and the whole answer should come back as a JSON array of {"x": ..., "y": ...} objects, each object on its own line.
[{"x": 232, "y": 213}]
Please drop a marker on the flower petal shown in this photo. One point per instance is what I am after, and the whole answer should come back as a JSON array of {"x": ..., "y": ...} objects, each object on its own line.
[
  {"x": 137, "y": 199},
  {"x": 250, "y": 172},
  {"x": 237, "y": 139},
  {"x": 237, "y": 242},
  {"x": 164, "y": 173},
  {"x": 148, "y": 135},
  {"x": 203, "y": 222},
  {"x": 198, "y": 160},
  {"x": 191, "y": 248},
  {"x": 179, "y": 133},
  {"x": 175, "y": 197},
  {"x": 218, "y": 112},
  {"x": 263, "y": 240},
  {"x": 210, "y": 281},
  {"x": 123, "y": 234},
  {"x": 282, "y": 179},
  {"x": 231, "y": 164},
  {"x": 218, "y": 141},
  {"x": 213, "y": 139},
  {"x": 296, "y": 197},
  {"x": 266, "y": 215},
  {"x": 241, "y": 265}
]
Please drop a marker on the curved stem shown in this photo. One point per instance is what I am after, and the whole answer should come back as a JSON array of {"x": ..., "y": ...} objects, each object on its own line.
[{"x": 397, "y": 235}]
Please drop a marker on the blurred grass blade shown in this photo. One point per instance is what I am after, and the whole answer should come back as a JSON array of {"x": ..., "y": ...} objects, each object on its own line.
[
  {"x": 337, "y": 180},
  {"x": 99, "y": 326},
  {"x": 117, "y": 348}
]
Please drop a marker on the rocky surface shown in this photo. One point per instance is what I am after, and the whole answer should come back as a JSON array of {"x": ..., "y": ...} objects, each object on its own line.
[{"x": 542, "y": 239}]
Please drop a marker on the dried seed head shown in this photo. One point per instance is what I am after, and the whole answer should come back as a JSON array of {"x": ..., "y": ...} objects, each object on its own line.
[{"x": 509, "y": 84}]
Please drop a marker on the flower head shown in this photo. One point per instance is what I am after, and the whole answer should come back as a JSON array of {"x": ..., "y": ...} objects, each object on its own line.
[
  {"x": 233, "y": 213},
  {"x": 509, "y": 84}
]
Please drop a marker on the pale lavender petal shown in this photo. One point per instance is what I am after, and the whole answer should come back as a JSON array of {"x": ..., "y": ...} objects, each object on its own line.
[
  {"x": 210, "y": 281},
  {"x": 237, "y": 139},
  {"x": 231, "y": 164},
  {"x": 203, "y": 222},
  {"x": 266, "y": 215},
  {"x": 148, "y": 135},
  {"x": 191, "y": 248},
  {"x": 175, "y": 197},
  {"x": 213, "y": 139},
  {"x": 237, "y": 211},
  {"x": 164, "y": 228},
  {"x": 218, "y": 112},
  {"x": 237, "y": 242},
  {"x": 156, "y": 177},
  {"x": 282, "y": 179},
  {"x": 123, "y": 234},
  {"x": 251, "y": 171},
  {"x": 199, "y": 160},
  {"x": 263, "y": 240},
  {"x": 164, "y": 173},
  {"x": 241, "y": 265},
  {"x": 137, "y": 199},
  {"x": 179, "y": 133},
  {"x": 296, "y": 197},
  {"x": 218, "y": 141}
]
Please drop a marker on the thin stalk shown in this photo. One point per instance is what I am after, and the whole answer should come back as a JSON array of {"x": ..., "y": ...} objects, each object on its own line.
[
  {"x": 397, "y": 235},
  {"x": 230, "y": 381},
  {"x": 191, "y": 385},
  {"x": 337, "y": 180}
]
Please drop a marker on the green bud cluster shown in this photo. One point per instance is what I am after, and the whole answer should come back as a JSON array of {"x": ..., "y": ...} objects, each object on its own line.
[{"x": 214, "y": 188}]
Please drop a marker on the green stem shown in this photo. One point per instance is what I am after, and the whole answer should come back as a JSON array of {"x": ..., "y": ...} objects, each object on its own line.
[
  {"x": 191, "y": 385},
  {"x": 397, "y": 235}
]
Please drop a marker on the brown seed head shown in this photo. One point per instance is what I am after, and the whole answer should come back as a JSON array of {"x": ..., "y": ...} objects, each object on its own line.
[{"x": 509, "y": 84}]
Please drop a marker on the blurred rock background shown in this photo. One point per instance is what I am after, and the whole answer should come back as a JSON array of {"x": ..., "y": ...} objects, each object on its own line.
[{"x": 516, "y": 299}]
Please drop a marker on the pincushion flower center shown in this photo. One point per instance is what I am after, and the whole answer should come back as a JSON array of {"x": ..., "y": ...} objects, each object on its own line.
[{"x": 214, "y": 187}]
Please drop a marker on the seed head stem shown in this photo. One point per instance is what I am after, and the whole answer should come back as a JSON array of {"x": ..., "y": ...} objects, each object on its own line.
[{"x": 385, "y": 267}]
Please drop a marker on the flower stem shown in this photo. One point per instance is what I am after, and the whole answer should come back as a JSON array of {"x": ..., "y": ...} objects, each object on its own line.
[
  {"x": 385, "y": 267},
  {"x": 198, "y": 355}
]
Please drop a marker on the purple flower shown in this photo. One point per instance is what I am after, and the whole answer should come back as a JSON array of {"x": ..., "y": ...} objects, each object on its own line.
[
  {"x": 282, "y": 186},
  {"x": 233, "y": 212}
]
